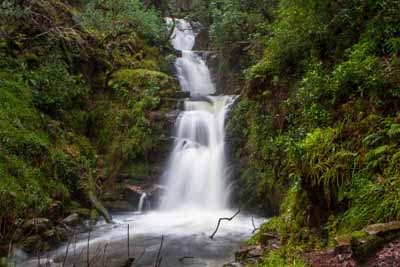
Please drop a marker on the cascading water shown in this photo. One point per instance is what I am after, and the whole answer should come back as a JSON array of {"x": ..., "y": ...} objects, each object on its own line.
[
  {"x": 142, "y": 201},
  {"x": 196, "y": 176}
]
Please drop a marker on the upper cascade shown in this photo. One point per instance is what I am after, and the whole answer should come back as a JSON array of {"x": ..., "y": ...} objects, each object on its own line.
[
  {"x": 192, "y": 71},
  {"x": 184, "y": 36}
]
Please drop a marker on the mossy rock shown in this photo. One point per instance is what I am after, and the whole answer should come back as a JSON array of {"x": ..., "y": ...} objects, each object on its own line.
[
  {"x": 139, "y": 79},
  {"x": 362, "y": 247}
]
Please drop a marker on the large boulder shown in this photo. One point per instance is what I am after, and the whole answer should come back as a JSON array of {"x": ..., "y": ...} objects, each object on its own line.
[{"x": 132, "y": 194}]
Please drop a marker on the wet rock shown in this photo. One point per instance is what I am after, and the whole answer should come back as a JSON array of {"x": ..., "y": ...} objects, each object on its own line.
[
  {"x": 249, "y": 252},
  {"x": 265, "y": 238},
  {"x": 202, "y": 40},
  {"x": 154, "y": 195},
  {"x": 373, "y": 237},
  {"x": 343, "y": 244},
  {"x": 362, "y": 247},
  {"x": 132, "y": 194},
  {"x": 72, "y": 220}
]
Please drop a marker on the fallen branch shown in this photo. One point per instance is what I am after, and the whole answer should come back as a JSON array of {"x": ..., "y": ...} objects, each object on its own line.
[
  {"x": 223, "y": 219},
  {"x": 254, "y": 226},
  {"x": 66, "y": 252},
  {"x": 88, "y": 248}
]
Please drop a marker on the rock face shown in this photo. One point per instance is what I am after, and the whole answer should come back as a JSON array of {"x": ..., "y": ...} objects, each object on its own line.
[
  {"x": 132, "y": 194},
  {"x": 181, "y": 5},
  {"x": 202, "y": 40}
]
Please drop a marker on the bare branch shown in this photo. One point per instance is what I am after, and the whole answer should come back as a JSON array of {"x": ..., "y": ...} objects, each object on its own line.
[
  {"x": 66, "y": 252},
  {"x": 159, "y": 257},
  {"x": 254, "y": 226},
  {"x": 223, "y": 219},
  {"x": 88, "y": 248}
]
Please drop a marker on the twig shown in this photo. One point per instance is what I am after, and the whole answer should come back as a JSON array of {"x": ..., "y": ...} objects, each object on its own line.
[
  {"x": 254, "y": 226},
  {"x": 128, "y": 242},
  {"x": 48, "y": 259},
  {"x": 159, "y": 257},
  {"x": 10, "y": 249},
  {"x": 88, "y": 249},
  {"x": 38, "y": 247},
  {"x": 75, "y": 240},
  {"x": 223, "y": 219},
  {"x": 66, "y": 253},
  {"x": 104, "y": 254}
]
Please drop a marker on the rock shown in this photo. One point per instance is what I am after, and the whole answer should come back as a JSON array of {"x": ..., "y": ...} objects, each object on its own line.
[
  {"x": 36, "y": 224},
  {"x": 120, "y": 205},
  {"x": 32, "y": 243},
  {"x": 154, "y": 194},
  {"x": 363, "y": 247},
  {"x": 249, "y": 252},
  {"x": 72, "y": 220},
  {"x": 255, "y": 252},
  {"x": 343, "y": 244},
  {"x": 266, "y": 237},
  {"x": 202, "y": 40},
  {"x": 132, "y": 194},
  {"x": 382, "y": 228},
  {"x": 241, "y": 253}
]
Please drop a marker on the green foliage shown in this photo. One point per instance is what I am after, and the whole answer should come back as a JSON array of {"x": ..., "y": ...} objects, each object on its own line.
[
  {"x": 56, "y": 91},
  {"x": 319, "y": 117},
  {"x": 120, "y": 17},
  {"x": 279, "y": 259},
  {"x": 71, "y": 78},
  {"x": 322, "y": 165}
]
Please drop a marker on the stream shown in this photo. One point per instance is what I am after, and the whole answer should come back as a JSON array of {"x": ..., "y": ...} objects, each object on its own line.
[{"x": 196, "y": 190}]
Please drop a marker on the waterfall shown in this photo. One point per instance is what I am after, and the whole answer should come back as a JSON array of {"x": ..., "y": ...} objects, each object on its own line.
[
  {"x": 195, "y": 176},
  {"x": 141, "y": 202}
]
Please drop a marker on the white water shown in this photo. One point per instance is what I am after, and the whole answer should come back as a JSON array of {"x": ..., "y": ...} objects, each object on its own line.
[
  {"x": 193, "y": 73},
  {"x": 141, "y": 201},
  {"x": 196, "y": 189},
  {"x": 196, "y": 173}
]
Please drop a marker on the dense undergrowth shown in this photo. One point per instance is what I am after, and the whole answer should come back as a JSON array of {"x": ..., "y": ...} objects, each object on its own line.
[
  {"x": 78, "y": 84},
  {"x": 317, "y": 128}
]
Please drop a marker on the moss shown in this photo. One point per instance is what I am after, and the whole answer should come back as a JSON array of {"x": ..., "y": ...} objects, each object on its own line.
[{"x": 140, "y": 79}]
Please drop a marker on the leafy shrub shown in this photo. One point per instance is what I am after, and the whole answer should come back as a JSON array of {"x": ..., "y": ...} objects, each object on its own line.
[
  {"x": 55, "y": 90},
  {"x": 119, "y": 17}
]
